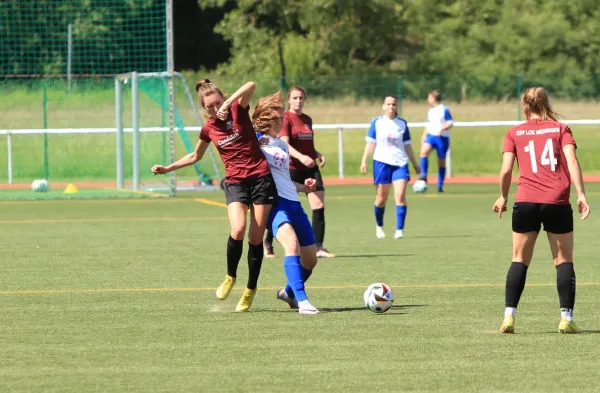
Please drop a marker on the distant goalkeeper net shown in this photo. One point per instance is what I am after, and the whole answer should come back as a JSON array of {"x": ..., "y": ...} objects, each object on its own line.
[{"x": 58, "y": 64}]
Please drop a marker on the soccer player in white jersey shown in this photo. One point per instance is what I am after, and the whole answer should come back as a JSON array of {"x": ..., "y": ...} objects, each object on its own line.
[
  {"x": 436, "y": 136},
  {"x": 288, "y": 221},
  {"x": 388, "y": 140}
]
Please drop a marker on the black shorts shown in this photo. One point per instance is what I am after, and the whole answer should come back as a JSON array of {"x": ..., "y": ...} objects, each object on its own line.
[
  {"x": 529, "y": 217},
  {"x": 310, "y": 173},
  {"x": 259, "y": 191}
]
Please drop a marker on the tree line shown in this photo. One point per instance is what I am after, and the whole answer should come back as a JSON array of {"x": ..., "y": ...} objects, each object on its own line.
[{"x": 484, "y": 48}]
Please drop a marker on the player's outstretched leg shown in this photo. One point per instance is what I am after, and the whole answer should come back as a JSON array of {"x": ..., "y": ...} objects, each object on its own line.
[
  {"x": 295, "y": 273},
  {"x": 424, "y": 161},
  {"x": 515, "y": 283}
]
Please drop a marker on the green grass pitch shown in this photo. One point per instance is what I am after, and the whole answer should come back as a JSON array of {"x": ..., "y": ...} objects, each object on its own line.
[{"x": 118, "y": 295}]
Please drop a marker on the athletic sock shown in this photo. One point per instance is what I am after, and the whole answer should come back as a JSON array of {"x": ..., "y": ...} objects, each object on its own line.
[
  {"x": 424, "y": 167},
  {"x": 318, "y": 224},
  {"x": 515, "y": 283},
  {"x": 379, "y": 211},
  {"x": 255, "y": 258},
  {"x": 294, "y": 273},
  {"x": 441, "y": 177},
  {"x": 234, "y": 254},
  {"x": 566, "y": 283},
  {"x": 400, "y": 216}
]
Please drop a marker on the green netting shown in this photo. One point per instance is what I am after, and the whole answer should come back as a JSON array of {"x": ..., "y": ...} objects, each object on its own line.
[{"x": 108, "y": 37}]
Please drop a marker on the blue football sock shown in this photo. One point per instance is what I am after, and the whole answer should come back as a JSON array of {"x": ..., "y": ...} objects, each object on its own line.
[
  {"x": 379, "y": 215},
  {"x": 294, "y": 273},
  {"x": 441, "y": 177},
  {"x": 424, "y": 167},
  {"x": 400, "y": 216}
]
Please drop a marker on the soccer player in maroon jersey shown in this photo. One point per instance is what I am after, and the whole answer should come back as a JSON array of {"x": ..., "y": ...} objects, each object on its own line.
[
  {"x": 546, "y": 155},
  {"x": 248, "y": 180},
  {"x": 298, "y": 134}
]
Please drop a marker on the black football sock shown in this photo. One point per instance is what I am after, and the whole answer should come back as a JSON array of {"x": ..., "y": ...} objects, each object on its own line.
[
  {"x": 318, "y": 224},
  {"x": 255, "y": 258},
  {"x": 234, "y": 254},
  {"x": 515, "y": 283},
  {"x": 565, "y": 283}
]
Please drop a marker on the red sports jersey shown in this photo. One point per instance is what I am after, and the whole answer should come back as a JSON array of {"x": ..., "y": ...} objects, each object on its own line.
[
  {"x": 237, "y": 145},
  {"x": 299, "y": 129},
  {"x": 543, "y": 173}
]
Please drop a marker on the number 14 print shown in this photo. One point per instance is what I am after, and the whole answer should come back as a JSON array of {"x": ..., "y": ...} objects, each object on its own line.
[{"x": 547, "y": 157}]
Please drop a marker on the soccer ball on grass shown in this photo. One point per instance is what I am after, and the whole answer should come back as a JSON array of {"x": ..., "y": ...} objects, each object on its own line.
[
  {"x": 379, "y": 297},
  {"x": 420, "y": 186},
  {"x": 40, "y": 185}
]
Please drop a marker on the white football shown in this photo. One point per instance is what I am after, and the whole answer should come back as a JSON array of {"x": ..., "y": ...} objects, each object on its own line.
[
  {"x": 420, "y": 186},
  {"x": 39, "y": 185},
  {"x": 379, "y": 297}
]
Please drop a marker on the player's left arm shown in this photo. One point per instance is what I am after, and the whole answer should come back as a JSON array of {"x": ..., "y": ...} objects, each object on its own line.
[
  {"x": 508, "y": 162},
  {"x": 577, "y": 178},
  {"x": 448, "y": 120},
  {"x": 309, "y": 185},
  {"x": 409, "y": 150}
]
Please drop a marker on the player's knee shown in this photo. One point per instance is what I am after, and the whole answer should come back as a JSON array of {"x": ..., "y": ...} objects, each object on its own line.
[
  {"x": 309, "y": 257},
  {"x": 238, "y": 231},
  {"x": 380, "y": 200},
  {"x": 286, "y": 236},
  {"x": 562, "y": 257},
  {"x": 442, "y": 162}
]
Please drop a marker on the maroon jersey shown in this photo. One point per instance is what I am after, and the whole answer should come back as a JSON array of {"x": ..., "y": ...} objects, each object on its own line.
[
  {"x": 543, "y": 173},
  {"x": 299, "y": 129},
  {"x": 237, "y": 145}
]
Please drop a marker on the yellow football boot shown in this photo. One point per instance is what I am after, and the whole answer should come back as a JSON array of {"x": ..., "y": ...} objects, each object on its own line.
[
  {"x": 508, "y": 324},
  {"x": 568, "y": 327},
  {"x": 225, "y": 288},
  {"x": 246, "y": 300}
]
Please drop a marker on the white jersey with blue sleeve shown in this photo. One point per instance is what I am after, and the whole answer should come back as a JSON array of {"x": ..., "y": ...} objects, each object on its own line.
[
  {"x": 277, "y": 153},
  {"x": 390, "y": 136},
  {"x": 436, "y": 118}
]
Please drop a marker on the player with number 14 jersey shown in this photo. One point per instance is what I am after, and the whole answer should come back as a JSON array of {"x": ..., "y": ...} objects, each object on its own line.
[{"x": 538, "y": 145}]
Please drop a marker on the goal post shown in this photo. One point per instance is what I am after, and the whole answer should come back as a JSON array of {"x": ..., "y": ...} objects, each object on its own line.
[{"x": 156, "y": 85}]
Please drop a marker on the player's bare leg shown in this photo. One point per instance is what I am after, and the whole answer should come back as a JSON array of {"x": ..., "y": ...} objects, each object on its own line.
[
  {"x": 523, "y": 245},
  {"x": 316, "y": 201},
  {"x": 561, "y": 246},
  {"x": 381, "y": 197}
]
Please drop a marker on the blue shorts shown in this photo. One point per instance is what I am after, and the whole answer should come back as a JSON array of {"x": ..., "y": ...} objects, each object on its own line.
[
  {"x": 441, "y": 144},
  {"x": 386, "y": 173},
  {"x": 287, "y": 211}
]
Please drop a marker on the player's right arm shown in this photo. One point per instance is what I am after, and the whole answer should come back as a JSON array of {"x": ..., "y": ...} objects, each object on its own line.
[
  {"x": 187, "y": 160},
  {"x": 243, "y": 95},
  {"x": 371, "y": 140},
  {"x": 577, "y": 179},
  {"x": 285, "y": 134}
]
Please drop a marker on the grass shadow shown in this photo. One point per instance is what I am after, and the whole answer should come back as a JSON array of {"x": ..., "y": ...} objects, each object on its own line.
[
  {"x": 374, "y": 255},
  {"x": 440, "y": 236},
  {"x": 392, "y": 310}
]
